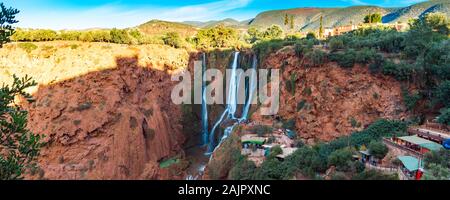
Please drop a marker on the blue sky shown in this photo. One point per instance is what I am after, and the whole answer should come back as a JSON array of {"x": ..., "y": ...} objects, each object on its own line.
[{"x": 81, "y": 14}]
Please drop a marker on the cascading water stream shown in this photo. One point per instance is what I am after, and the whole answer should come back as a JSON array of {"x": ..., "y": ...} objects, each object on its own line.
[
  {"x": 251, "y": 90},
  {"x": 209, "y": 137},
  {"x": 205, "y": 133},
  {"x": 232, "y": 102}
]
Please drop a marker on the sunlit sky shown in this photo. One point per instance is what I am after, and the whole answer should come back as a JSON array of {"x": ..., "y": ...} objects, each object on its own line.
[{"x": 81, "y": 14}]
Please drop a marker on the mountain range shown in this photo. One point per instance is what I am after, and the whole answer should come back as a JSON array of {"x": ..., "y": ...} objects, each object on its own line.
[{"x": 306, "y": 19}]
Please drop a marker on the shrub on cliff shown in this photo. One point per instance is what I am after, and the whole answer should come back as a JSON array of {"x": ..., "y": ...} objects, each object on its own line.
[
  {"x": 243, "y": 170},
  {"x": 344, "y": 59},
  {"x": 336, "y": 44},
  {"x": 316, "y": 57},
  {"x": 20, "y": 147},
  {"x": 400, "y": 71}
]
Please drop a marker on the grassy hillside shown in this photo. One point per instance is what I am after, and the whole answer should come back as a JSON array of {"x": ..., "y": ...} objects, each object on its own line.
[
  {"x": 226, "y": 22},
  {"x": 417, "y": 10},
  {"x": 159, "y": 28},
  {"x": 309, "y": 18}
]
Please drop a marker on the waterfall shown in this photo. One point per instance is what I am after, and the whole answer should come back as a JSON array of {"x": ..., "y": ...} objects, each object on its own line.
[
  {"x": 204, "y": 105},
  {"x": 232, "y": 103},
  {"x": 251, "y": 90}
]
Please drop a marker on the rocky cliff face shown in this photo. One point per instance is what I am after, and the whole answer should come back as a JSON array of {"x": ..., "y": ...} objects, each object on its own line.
[
  {"x": 112, "y": 124},
  {"x": 105, "y": 109},
  {"x": 329, "y": 101}
]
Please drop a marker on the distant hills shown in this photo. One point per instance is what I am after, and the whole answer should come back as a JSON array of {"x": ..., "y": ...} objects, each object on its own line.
[
  {"x": 158, "y": 27},
  {"x": 305, "y": 19},
  {"x": 226, "y": 22},
  {"x": 308, "y": 18}
]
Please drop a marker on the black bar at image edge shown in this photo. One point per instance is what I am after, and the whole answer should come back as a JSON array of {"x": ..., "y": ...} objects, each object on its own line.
[{"x": 224, "y": 189}]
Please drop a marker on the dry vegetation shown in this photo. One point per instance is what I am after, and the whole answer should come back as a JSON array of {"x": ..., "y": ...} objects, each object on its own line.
[{"x": 49, "y": 62}]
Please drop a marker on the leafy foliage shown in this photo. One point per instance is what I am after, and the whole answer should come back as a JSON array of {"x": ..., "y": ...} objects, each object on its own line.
[
  {"x": 373, "y": 18},
  {"x": 444, "y": 117},
  {"x": 340, "y": 158},
  {"x": 316, "y": 57},
  {"x": 378, "y": 149},
  {"x": 271, "y": 33},
  {"x": 173, "y": 39},
  {"x": 375, "y": 175},
  {"x": 217, "y": 37},
  {"x": 28, "y": 47},
  {"x": 437, "y": 172},
  {"x": 20, "y": 146},
  {"x": 7, "y": 18}
]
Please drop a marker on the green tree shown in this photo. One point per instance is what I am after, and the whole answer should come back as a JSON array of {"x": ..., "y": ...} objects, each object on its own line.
[
  {"x": 373, "y": 18},
  {"x": 273, "y": 32},
  {"x": 7, "y": 18},
  {"x": 173, "y": 39},
  {"x": 444, "y": 117},
  {"x": 20, "y": 147},
  {"x": 336, "y": 43},
  {"x": 286, "y": 20},
  {"x": 437, "y": 172},
  {"x": 321, "y": 31},
  {"x": 438, "y": 22},
  {"x": 341, "y": 159},
  {"x": 311, "y": 36},
  {"x": 442, "y": 94},
  {"x": 378, "y": 149},
  {"x": 441, "y": 157},
  {"x": 243, "y": 170},
  {"x": 292, "y": 22},
  {"x": 217, "y": 37},
  {"x": 253, "y": 35},
  {"x": 120, "y": 36}
]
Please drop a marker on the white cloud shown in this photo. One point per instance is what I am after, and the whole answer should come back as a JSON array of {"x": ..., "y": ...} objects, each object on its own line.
[{"x": 113, "y": 15}]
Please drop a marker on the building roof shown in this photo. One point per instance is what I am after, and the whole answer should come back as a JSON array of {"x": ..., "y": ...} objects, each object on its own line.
[
  {"x": 432, "y": 146},
  {"x": 411, "y": 163},
  {"x": 254, "y": 139},
  {"x": 415, "y": 140}
]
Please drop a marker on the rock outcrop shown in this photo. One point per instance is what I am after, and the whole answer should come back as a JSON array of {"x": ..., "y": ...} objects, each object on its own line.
[
  {"x": 111, "y": 124},
  {"x": 329, "y": 101}
]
